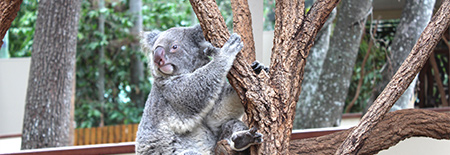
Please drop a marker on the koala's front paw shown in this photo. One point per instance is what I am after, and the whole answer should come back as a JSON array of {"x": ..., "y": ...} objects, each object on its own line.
[
  {"x": 258, "y": 67},
  {"x": 233, "y": 45},
  {"x": 241, "y": 140}
]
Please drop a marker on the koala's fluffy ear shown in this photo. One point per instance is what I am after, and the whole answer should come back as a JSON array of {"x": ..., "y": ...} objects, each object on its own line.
[
  {"x": 204, "y": 45},
  {"x": 209, "y": 49},
  {"x": 197, "y": 34},
  {"x": 148, "y": 39}
]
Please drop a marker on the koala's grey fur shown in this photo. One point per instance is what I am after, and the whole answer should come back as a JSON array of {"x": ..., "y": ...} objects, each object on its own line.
[{"x": 191, "y": 105}]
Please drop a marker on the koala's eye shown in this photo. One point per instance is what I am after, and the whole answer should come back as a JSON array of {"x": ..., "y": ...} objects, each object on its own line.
[{"x": 174, "y": 47}]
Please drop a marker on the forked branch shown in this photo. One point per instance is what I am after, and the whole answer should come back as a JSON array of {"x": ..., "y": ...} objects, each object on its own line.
[{"x": 270, "y": 100}]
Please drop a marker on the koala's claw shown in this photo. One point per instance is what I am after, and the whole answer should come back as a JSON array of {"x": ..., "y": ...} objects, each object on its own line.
[
  {"x": 258, "y": 67},
  {"x": 243, "y": 139}
]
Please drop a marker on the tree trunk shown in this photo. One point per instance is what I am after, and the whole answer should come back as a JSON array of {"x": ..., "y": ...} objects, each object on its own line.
[
  {"x": 9, "y": 9},
  {"x": 416, "y": 14},
  {"x": 327, "y": 103},
  {"x": 313, "y": 69},
  {"x": 136, "y": 66},
  {"x": 400, "y": 81},
  {"x": 101, "y": 65},
  {"x": 270, "y": 100},
  {"x": 395, "y": 127},
  {"x": 47, "y": 121}
]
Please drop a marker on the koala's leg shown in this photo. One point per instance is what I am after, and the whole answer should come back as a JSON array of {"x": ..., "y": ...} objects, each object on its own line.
[
  {"x": 239, "y": 136},
  {"x": 227, "y": 107}
]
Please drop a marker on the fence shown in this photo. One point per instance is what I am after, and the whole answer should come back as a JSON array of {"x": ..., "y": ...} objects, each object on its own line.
[{"x": 107, "y": 134}]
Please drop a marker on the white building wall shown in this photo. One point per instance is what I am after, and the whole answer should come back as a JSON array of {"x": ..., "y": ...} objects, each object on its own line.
[{"x": 13, "y": 85}]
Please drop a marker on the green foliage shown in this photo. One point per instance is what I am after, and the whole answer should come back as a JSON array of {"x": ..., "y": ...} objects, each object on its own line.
[
  {"x": 21, "y": 31},
  {"x": 269, "y": 15},
  {"x": 163, "y": 15},
  {"x": 375, "y": 62},
  {"x": 226, "y": 11}
]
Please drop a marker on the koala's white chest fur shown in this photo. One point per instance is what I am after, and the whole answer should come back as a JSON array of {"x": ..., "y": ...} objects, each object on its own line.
[{"x": 198, "y": 139}]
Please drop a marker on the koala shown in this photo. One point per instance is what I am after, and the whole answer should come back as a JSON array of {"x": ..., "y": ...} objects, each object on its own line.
[{"x": 191, "y": 105}]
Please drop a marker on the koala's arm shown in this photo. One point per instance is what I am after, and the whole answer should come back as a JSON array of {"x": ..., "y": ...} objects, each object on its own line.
[
  {"x": 193, "y": 95},
  {"x": 207, "y": 81},
  {"x": 229, "y": 104}
]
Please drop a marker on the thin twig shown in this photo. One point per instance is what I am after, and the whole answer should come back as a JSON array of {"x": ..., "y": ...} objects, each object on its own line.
[{"x": 360, "y": 81}]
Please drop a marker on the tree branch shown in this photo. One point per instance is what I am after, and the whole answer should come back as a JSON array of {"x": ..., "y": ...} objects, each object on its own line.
[
  {"x": 400, "y": 81},
  {"x": 396, "y": 126},
  {"x": 242, "y": 25}
]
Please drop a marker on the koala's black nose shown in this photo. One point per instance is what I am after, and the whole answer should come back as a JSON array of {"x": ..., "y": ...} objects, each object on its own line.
[{"x": 158, "y": 56}]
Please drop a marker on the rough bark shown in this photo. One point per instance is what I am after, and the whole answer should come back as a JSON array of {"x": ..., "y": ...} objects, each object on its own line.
[
  {"x": 270, "y": 99},
  {"x": 416, "y": 14},
  {"x": 327, "y": 103},
  {"x": 136, "y": 64},
  {"x": 396, "y": 126},
  {"x": 313, "y": 68},
  {"x": 400, "y": 81},
  {"x": 242, "y": 24},
  {"x": 9, "y": 9},
  {"x": 47, "y": 121}
]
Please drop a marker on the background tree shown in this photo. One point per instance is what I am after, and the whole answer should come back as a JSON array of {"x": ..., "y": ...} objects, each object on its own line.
[
  {"x": 101, "y": 66},
  {"x": 313, "y": 68},
  {"x": 415, "y": 17},
  {"x": 325, "y": 107},
  {"x": 136, "y": 66},
  {"x": 48, "y": 120}
]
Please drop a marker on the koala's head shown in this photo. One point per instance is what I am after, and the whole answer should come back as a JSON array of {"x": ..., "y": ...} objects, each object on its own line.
[{"x": 179, "y": 50}]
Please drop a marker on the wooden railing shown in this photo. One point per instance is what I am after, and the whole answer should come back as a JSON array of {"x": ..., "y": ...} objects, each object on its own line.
[
  {"x": 107, "y": 134},
  {"x": 128, "y": 147}
]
